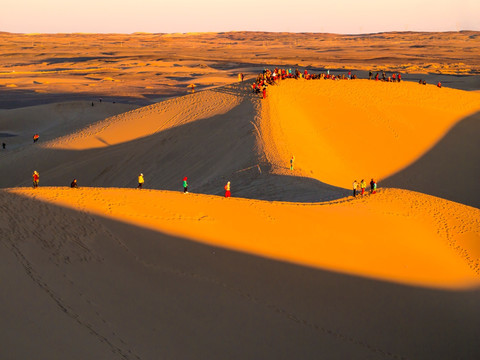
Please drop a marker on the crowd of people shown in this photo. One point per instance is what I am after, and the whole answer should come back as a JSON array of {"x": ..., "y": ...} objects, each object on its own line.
[
  {"x": 362, "y": 186},
  {"x": 269, "y": 77}
]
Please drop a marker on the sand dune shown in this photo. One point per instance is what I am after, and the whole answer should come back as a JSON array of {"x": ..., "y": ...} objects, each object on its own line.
[
  {"x": 119, "y": 270},
  {"x": 110, "y": 272},
  {"x": 346, "y": 130},
  {"x": 268, "y": 229}
]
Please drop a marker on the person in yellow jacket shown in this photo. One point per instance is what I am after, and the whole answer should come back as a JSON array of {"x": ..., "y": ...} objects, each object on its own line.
[
  {"x": 227, "y": 190},
  {"x": 141, "y": 180},
  {"x": 363, "y": 186}
]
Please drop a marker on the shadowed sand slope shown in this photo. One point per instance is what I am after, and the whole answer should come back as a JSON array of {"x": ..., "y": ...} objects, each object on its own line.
[
  {"x": 345, "y": 130},
  {"x": 110, "y": 280},
  {"x": 451, "y": 169}
]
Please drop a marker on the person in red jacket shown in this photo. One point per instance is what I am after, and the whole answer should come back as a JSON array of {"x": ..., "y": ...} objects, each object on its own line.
[
  {"x": 227, "y": 190},
  {"x": 36, "y": 179}
]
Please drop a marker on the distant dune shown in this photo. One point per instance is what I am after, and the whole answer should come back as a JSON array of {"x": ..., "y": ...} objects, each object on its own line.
[{"x": 143, "y": 68}]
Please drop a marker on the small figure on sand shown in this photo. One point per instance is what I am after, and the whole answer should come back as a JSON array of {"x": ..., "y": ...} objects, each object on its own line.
[
  {"x": 292, "y": 160},
  {"x": 363, "y": 186},
  {"x": 264, "y": 91},
  {"x": 370, "y": 74},
  {"x": 227, "y": 190},
  {"x": 35, "y": 138},
  {"x": 373, "y": 186},
  {"x": 4, "y": 146},
  {"x": 141, "y": 180},
  {"x": 439, "y": 84},
  {"x": 36, "y": 179},
  {"x": 355, "y": 187},
  {"x": 185, "y": 185},
  {"x": 74, "y": 185}
]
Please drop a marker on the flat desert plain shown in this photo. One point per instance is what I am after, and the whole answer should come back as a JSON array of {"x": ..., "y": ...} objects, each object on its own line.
[{"x": 292, "y": 266}]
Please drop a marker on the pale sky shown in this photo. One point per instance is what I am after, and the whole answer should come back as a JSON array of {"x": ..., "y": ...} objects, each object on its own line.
[{"x": 169, "y": 16}]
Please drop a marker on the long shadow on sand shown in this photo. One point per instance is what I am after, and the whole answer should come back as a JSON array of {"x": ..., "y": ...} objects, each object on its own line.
[
  {"x": 451, "y": 169},
  {"x": 84, "y": 286},
  {"x": 209, "y": 152},
  {"x": 17, "y": 98}
]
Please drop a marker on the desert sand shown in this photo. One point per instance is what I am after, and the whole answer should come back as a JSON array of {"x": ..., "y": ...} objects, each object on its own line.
[{"x": 292, "y": 266}]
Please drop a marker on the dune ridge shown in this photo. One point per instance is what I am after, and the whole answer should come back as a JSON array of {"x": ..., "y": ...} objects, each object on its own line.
[{"x": 319, "y": 239}]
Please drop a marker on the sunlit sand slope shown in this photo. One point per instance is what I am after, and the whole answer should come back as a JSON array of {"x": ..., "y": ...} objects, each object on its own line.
[
  {"x": 345, "y": 130},
  {"x": 395, "y": 235},
  {"x": 149, "y": 120}
]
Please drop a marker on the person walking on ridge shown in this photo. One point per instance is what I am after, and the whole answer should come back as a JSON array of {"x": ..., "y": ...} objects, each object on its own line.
[
  {"x": 355, "y": 187},
  {"x": 227, "y": 190},
  {"x": 141, "y": 180},
  {"x": 74, "y": 184},
  {"x": 363, "y": 186},
  {"x": 185, "y": 185},
  {"x": 292, "y": 160},
  {"x": 36, "y": 179}
]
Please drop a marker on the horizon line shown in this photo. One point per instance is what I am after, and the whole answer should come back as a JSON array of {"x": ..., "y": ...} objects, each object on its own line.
[{"x": 240, "y": 31}]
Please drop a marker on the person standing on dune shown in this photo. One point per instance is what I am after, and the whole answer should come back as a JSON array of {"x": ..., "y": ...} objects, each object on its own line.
[
  {"x": 227, "y": 190},
  {"x": 74, "y": 185},
  {"x": 363, "y": 186},
  {"x": 185, "y": 185},
  {"x": 36, "y": 179},
  {"x": 372, "y": 186},
  {"x": 355, "y": 187},
  {"x": 141, "y": 180},
  {"x": 292, "y": 160}
]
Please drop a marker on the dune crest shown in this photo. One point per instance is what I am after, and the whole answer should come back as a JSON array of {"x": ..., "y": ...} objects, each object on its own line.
[
  {"x": 148, "y": 120},
  {"x": 396, "y": 235}
]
